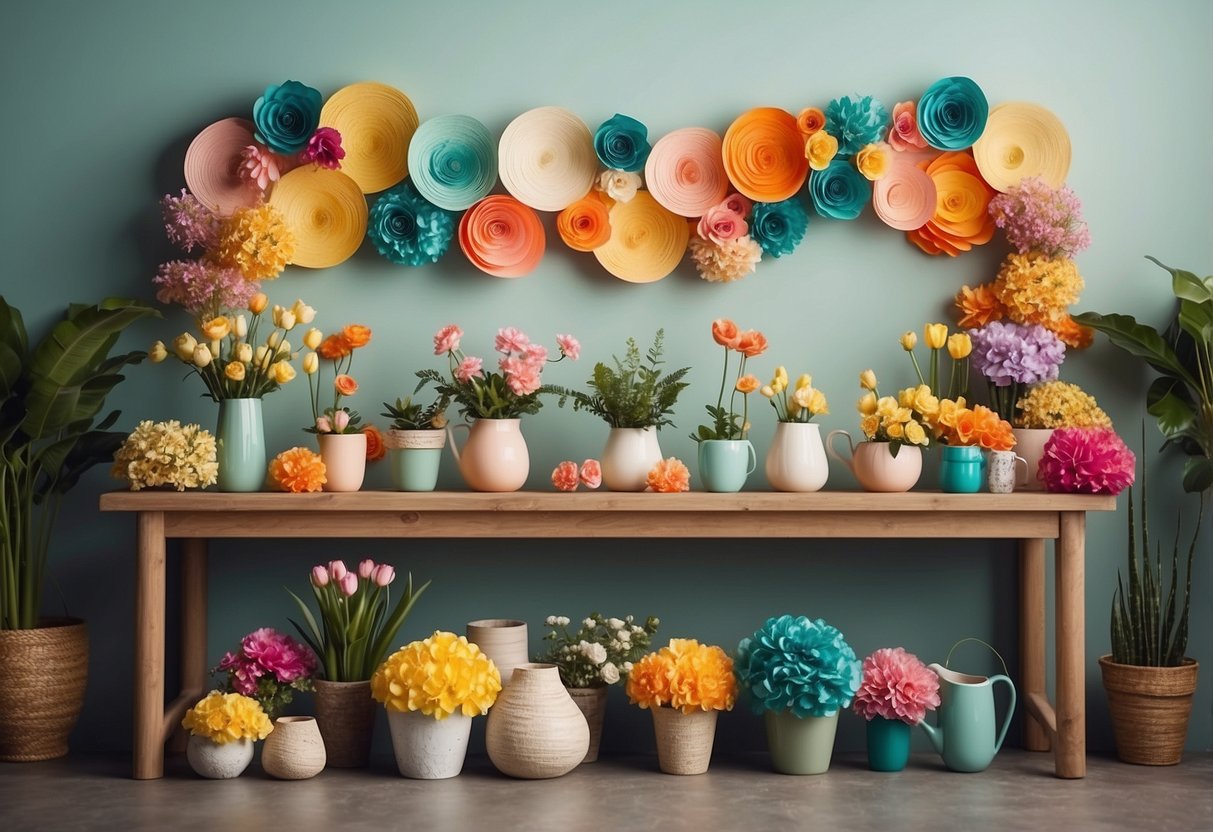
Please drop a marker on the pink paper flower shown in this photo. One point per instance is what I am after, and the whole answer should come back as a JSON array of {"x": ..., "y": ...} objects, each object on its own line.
[
  {"x": 1087, "y": 461},
  {"x": 738, "y": 204},
  {"x": 258, "y": 167},
  {"x": 523, "y": 379},
  {"x": 278, "y": 654},
  {"x": 720, "y": 224},
  {"x": 896, "y": 685},
  {"x": 591, "y": 473},
  {"x": 511, "y": 340},
  {"x": 469, "y": 368},
  {"x": 565, "y": 476},
  {"x": 903, "y": 134},
  {"x": 447, "y": 339},
  {"x": 324, "y": 149},
  {"x": 570, "y": 347}
]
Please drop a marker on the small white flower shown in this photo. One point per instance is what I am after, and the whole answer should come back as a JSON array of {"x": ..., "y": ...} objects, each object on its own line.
[
  {"x": 629, "y": 618},
  {"x": 620, "y": 185},
  {"x": 596, "y": 653},
  {"x": 610, "y": 673},
  {"x": 562, "y": 620},
  {"x": 550, "y": 621},
  {"x": 627, "y": 667},
  {"x": 588, "y": 623},
  {"x": 637, "y": 629},
  {"x": 614, "y": 623},
  {"x": 624, "y": 635}
]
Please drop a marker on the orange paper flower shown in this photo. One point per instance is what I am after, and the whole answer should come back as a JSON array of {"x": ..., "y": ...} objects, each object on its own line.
[
  {"x": 686, "y": 675},
  {"x": 810, "y": 120},
  {"x": 334, "y": 347},
  {"x": 764, "y": 154},
  {"x": 978, "y": 306},
  {"x": 345, "y": 385},
  {"x": 585, "y": 225},
  {"x": 356, "y": 335},
  {"x": 502, "y": 237},
  {"x": 375, "y": 449},
  {"x": 298, "y": 470},
  {"x": 725, "y": 333},
  {"x": 748, "y": 384},
  {"x": 669, "y": 476},
  {"x": 978, "y": 426},
  {"x": 962, "y": 201}
]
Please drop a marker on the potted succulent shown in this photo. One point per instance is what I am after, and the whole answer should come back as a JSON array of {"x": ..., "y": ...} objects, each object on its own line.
[
  {"x": 894, "y": 695},
  {"x": 799, "y": 673},
  {"x": 636, "y": 399},
  {"x": 415, "y": 442},
  {"x": 223, "y": 728},
  {"x": 726, "y": 458},
  {"x": 51, "y": 394}
]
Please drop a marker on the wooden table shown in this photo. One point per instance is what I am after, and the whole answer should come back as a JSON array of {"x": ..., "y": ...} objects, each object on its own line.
[{"x": 196, "y": 517}]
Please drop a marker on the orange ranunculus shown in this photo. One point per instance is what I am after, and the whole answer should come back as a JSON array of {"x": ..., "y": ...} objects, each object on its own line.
[
  {"x": 334, "y": 347},
  {"x": 298, "y": 470},
  {"x": 345, "y": 385},
  {"x": 725, "y": 333},
  {"x": 649, "y": 682},
  {"x": 686, "y": 675},
  {"x": 375, "y": 449},
  {"x": 751, "y": 343},
  {"x": 669, "y": 476},
  {"x": 991, "y": 432},
  {"x": 1071, "y": 333},
  {"x": 748, "y": 384},
  {"x": 586, "y": 224},
  {"x": 964, "y": 426},
  {"x": 978, "y": 306},
  {"x": 356, "y": 335}
]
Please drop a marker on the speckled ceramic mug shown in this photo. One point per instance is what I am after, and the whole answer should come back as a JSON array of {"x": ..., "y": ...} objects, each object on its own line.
[{"x": 1002, "y": 468}]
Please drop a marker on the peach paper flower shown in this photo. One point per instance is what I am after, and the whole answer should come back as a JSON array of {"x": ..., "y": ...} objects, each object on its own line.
[
  {"x": 333, "y": 348},
  {"x": 298, "y": 470},
  {"x": 565, "y": 476},
  {"x": 751, "y": 343},
  {"x": 720, "y": 225},
  {"x": 375, "y": 449},
  {"x": 345, "y": 385},
  {"x": 903, "y": 134},
  {"x": 669, "y": 476},
  {"x": 591, "y": 473},
  {"x": 356, "y": 335}
]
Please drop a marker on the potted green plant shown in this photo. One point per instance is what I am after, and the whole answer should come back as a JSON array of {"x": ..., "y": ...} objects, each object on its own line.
[
  {"x": 415, "y": 442},
  {"x": 1181, "y": 398},
  {"x": 50, "y": 397},
  {"x": 635, "y": 398}
]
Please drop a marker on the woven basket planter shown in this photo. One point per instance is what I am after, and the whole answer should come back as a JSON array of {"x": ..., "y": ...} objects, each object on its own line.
[
  {"x": 43, "y": 673},
  {"x": 1150, "y": 708}
]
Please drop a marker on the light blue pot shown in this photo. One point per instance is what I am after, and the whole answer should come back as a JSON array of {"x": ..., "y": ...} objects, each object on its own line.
[
  {"x": 415, "y": 457},
  {"x": 962, "y": 470},
  {"x": 724, "y": 464},
  {"x": 240, "y": 441}
]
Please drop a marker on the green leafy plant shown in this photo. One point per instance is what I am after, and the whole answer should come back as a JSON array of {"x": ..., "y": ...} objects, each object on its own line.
[
  {"x": 409, "y": 415},
  {"x": 1181, "y": 399},
  {"x": 635, "y": 393},
  {"x": 50, "y": 397}
]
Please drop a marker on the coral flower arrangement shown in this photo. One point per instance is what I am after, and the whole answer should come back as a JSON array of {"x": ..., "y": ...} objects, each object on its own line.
[
  {"x": 269, "y": 667},
  {"x": 437, "y": 676},
  {"x": 338, "y": 349},
  {"x": 227, "y": 717},
  {"x": 896, "y": 685},
  {"x": 167, "y": 454},
  {"x": 727, "y": 423}
]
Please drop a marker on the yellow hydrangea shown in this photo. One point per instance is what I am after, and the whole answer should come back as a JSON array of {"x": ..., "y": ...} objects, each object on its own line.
[
  {"x": 257, "y": 241},
  {"x": 437, "y": 676},
  {"x": 1059, "y": 404},
  {"x": 165, "y": 453},
  {"x": 227, "y": 717},
  {"x": 1035, "y": 289}
]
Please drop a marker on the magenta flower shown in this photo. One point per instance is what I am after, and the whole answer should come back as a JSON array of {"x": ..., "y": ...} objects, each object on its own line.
[
  {"x": 188, "y": 223},
  {"x": 896, "y": 685},
  {"x": 1087, "y": 461},
  {"x": 279, "y": 654},
  {"x": 570, "y": 347},
  {"x": 324, "y": 149}
]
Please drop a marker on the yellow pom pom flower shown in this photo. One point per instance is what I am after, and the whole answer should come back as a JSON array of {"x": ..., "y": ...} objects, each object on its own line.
[
  {"x": 227, "y": 717},
  {"x": 437, "y": 676},
  {"x": 257, "y": 241}
]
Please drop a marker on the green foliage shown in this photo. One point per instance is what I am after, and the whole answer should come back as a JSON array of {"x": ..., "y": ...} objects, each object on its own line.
[
  {"x": 484, "y": 398},
  {"x": 50, "y": 399},
  {"x": 725, "y": 425},
  {"x": 409, "y": 415},
  {"x": 1181, "y": 399},
  {"x": 635, "y": 393}
]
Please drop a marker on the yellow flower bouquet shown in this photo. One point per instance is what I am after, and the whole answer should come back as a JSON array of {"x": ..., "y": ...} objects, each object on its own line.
[
  {"x": 227, "y": 717},
  {"x": 437, "y": 676},
  {"x": 801, "y": 404},
  {"x": 165, "y": 453},
  {"x": 899, "y": 420},
  {"x": 1058, "y": 404}
]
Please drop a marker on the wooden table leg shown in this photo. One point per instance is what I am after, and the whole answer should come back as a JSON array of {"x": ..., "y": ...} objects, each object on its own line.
[
  {"x": 1032, "y": 636},
  {"x": 193, "y": 629},
  {"x": 1071, "y": 746},
  {"x": 148, "y": 751}
]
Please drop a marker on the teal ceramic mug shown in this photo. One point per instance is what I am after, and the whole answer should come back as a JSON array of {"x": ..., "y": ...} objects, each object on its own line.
[
  {"x": 724, "y": 464},
  {"x": 962, "y": 470}
]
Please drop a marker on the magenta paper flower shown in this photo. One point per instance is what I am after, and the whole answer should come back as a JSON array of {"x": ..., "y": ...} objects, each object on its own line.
[
  {"x": 1087, "y": 461},
  {"x": 896, "y": 685},
  {"x": 324, "y": 149},
  {"x": 279, "y": 654}
]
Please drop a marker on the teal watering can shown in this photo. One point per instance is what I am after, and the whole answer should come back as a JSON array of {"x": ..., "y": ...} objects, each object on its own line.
[{"x": 967, "y": 736}]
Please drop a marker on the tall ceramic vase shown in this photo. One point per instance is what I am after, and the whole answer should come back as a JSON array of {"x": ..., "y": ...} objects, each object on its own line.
[
  {"x": 534, "y": 730},
  {"x": 427, "y": 748},
  {"x": 495, "y": 456},
  {"x": 874, "y": 465},
  {"x": 800, "y": 745},
  {"x": 294, "y": 750},
  {"x": 345, "y": 714},
  {"x": 504, "y": 640},
  {"x": 415, "y": 457},
  {"x": 629, "y": 455},
  {"x": 1030, "y": 444},
  {"x": 240, "y": 445},
  {"x": 684, "y": 741},
  {"x": 796, "y": 460},
  {"x": 344, "y": 456}
]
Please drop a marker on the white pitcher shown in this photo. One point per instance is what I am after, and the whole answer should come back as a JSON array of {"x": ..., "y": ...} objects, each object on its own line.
[{"x": 796, "y": 460}]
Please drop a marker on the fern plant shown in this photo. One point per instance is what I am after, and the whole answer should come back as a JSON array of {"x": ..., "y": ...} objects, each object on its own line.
[{"x": 635, "y": 393}]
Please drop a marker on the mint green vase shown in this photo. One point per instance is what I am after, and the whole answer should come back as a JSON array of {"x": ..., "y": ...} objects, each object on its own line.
[
  {"x": 888, "y": 744},
  {"x": 725, "y": 464},
  {"x": 240, "y": 440},
  {"x": 800, "y": 745}
]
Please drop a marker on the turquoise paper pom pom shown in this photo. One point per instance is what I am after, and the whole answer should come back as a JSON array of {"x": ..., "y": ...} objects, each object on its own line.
[
  {"x": 408, "y": 230},
  {"x": 856, "y": 123},
  {"x": 622, "y": 143},
  {"x": 779, "y": 226},
  {"x": 794, "y": 664},
  {"x": 286, "y": 116},
  {"x": 952, "y": 113},
  {"x": 839, "y": 192}
]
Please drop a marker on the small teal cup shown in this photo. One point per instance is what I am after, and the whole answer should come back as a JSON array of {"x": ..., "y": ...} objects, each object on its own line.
[
  {"x": 414, "y": 457},
  {"x": 724, "y": 464},
  {"x": 888, "y": 744},
  {"x": 962, "y": 469}
]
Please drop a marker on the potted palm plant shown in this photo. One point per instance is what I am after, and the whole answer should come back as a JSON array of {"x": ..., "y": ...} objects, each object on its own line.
[
  {"x": 636, "y": 399},
  {"x": 50, "y": 397}
]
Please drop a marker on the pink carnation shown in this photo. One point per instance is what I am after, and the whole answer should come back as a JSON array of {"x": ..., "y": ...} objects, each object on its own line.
[
  {"x": 565, "y": 476},
  {"x": 570, "y": 347},
  {"x": 1087, "y": 461},
  {"x": 904, "y": 133},
  {"x": 720, "y": 224},
  {"x": 510, "y": 340},
  {"x": 591, "y": 473},
  {"x": 258, "y": 167},
  {"x": 896, "y": 685},
  {"x": 278, "y": 654},
  {"x": 324, "y": 149},
  {"x": 739, "y": 205},
  {"x": 521, "y": 375},
  {"x": 469, "y": 368},
  {"x": 244, "y": 672},
  {"x": 447, "y": 339},
  {"x": 536, "y": 354}
]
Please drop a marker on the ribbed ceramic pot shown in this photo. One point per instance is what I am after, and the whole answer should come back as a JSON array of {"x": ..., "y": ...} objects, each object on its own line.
[
  {"x": 43, "y": 674},
  {"x": 427, "y": 748},
  {"x": 534, "y": 730},
  {"x": 800, "y": 745},
  {"x": 504, "y": 640},
  {"x": 213, "y": 761},
  {"x": 629, "y": 455},
  {"x": 796, "y": 460},
  {"x": 592, "y": 702},
  {"x": 345, "y": 714},
  {"x": 294, "y": 750},
  {"x": 240, "y": 445},
  {"x": 344, "y": 456},
  {"x": 684, "y": 741}
]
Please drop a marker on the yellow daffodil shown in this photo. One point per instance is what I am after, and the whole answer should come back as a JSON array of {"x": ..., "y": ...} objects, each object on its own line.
[{"x": 936, "y": 335}]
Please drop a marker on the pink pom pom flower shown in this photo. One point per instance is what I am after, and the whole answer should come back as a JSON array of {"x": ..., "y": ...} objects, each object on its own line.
[
  {"x": 1087, "y": 461},
  {"x": 896, "y": 685},
  {"x": 565, "y": 476},
  {"x": 591, "y": 473}
]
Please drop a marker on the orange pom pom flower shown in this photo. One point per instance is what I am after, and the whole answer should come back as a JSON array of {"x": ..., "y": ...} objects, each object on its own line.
[
  {"x": 686, "y": 675},
  {"x": 298, "y": 470},
  {"x": 669, "y": 476}
]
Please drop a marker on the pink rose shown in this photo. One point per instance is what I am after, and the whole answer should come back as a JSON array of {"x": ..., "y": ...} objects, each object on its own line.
[
  {"x": 564, "y": 477},
  {"x": 569, "y": 346},
  {"x": 510, "y": 340},
  {"x": 469, "y": 368},
  {"x": 324, "y": 149},
  {"x": 447, "y": 339},
  {"x": 591, "y": 473},
  {"x": 720, "y": 225},
  {"x": 904, "y": 135},
  {"x": 738, "y": 204}
]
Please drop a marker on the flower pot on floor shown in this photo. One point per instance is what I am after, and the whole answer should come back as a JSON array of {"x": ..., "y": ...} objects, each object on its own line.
[
  {"x": 427, "y": 748},
  {"x": 345, "y": 714},
  {"x": 43, "y": 673},
  {"x": 1150, "y": 708},
  {"x": 684, "y": 741},
  {"x": 294, "y": 750},
  {"x": 592, "y": 703},
  {"x": 216, "y": 761},
  {"x": 534, "y": 730}
]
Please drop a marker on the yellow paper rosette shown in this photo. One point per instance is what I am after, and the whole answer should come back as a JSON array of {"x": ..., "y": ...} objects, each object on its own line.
[
  {"x": 376, "y": 123},
  {"x": 1022, "y": 140},
  {"x": 647, "y": 241},
  {"x": 326, "y": 211}
]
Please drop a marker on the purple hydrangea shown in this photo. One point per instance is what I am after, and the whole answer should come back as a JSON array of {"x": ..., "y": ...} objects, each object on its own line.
[
  {"x": 1008, "y": 353},
  {"x": 202, "y": 288}
]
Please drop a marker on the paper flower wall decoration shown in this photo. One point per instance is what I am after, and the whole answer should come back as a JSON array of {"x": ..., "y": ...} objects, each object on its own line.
[
  {"x": 952, "y": 113},
  {"x": 856, "y": 123},
  {"x": 622, "y": 143},
  {"x": 286, "y": 116},
  {"x": 779, "y": 226},
  {"x": 407, "y": 229},
  {"x": 839, "y": 191}
]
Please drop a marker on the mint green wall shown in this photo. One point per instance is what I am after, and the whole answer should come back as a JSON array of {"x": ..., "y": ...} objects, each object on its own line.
[{"x": 100, "y": 100}]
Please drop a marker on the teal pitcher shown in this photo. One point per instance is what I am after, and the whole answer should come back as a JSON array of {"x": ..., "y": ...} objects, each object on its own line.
[{"x": 967, "y": 736}]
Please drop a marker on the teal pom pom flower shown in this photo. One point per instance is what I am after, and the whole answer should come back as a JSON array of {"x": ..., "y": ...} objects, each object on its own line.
[
  {"x": 856, "y": 123},
  {"x": 286, "y": 116},
  {"x": 794, "y": 664},
  {"x": 779, "y": 226},
  {"x": 840, "y": 191},
  {"x": 408, "y": 230},
  {"x": 952, "y": 113},
  {"x": 622, "y": 143}
]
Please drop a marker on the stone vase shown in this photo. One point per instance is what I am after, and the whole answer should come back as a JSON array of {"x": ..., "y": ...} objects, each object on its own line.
[
  {"x": 427, "y": 748},
  {"x": 534, "y": 730},
  {"x": 214, "y": 761},
  {"x": 294, "y": 750}
]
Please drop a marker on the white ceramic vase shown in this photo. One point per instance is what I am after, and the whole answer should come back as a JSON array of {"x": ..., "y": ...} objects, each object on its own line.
[
  {"x": 427, "y": 748},
  {"x": 1030, "y": 444},
  {"x": 535, "y": 730},
  {"x": 294, "y": 750},
  {"x": 495, "y": 456},
  {"x": 796, "y": 460},
  {"x": 344, "y": 456},
  {"x": 216, "y": 761},
  {"x": 504, "y": 640},
  {"x": 629, "y": 455}
]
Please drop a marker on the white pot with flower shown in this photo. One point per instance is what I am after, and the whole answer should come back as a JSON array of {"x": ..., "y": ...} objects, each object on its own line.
[{"x": 339, "y": 430}]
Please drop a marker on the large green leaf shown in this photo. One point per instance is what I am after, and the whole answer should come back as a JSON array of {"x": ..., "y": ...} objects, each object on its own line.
[
  {"x": 10, "y": 369},
  {"x": 1198, "y": 474},
  {"x": 1169, "y": 402},
  {"x": 1197, "y": 319},
  {"x": 78, "y": 344},
  {"x": 1140, "y": 340},
  {"x": 49, "y": 407},
  {"x": 92, "y": 448},
  {"x": 12, "y": 328},
  {"x": 1186, "y": 285}
]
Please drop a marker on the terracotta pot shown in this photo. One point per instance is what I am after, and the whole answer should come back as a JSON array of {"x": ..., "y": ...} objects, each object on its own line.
[
  {"x": 427, "y": 748},
  {"x": 1150, "y": 708},
  {"x": 43, "y": 674},
  {"x": 1030, "y": 444},
  {"x": 796, "y": 460},
  {"x": 684, "y": 741},
  {"x": 344, "y": 456},
  {"x": 534, "y": 730},
  {"x": 495, "y": 457},
  {"x": 629, "y": 455},
  {"x": 592, "y": 703},
  {"x": 213, "y": 761},
  {"x": 874, "y": 465},
  {"x": 345, "y": 714},
  {"x": 294, "y": 750},
  {"x": 504, "y": 640}
]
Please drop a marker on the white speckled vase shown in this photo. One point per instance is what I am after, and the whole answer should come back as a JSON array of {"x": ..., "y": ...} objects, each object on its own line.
[
  {"x": 213, "y": 761},
  {"x": 294, "y": 750},
  {"x": 428, "y": 748},
  {"x": 535, "y": 730}
]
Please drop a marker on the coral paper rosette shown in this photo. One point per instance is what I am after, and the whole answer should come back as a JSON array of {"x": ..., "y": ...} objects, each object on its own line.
[
  {"x": 1022, "y": 140},
  {"x": 326, "y": 212},
  {"x": 952, "y": 113},
  {"x": 585, "y": 225},
  {"x": 211, "y": 164},
  {"x": 839, "y": 191},
  {"x": 647, "y": 241},
  {"x": 962, "y": 200},
  {"x": 376, "y": 123},
  {"x": 453, "y": 161},
  {"x": 409, "y": 230},
  {"x": 546, "y": 158},
  {"x": 764, "y": 154},
  {"x": 685, "y": 171},
  {"x": 502, "y": 237},
  {"x": 904, "y": 198}
]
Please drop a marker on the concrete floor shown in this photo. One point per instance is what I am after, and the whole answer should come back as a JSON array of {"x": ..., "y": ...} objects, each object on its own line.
[{"x": 617, "y": 794}]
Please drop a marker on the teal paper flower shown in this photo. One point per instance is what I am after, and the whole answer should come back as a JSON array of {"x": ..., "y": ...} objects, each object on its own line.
[
  {"x": 408, "y": 230},
  {"x": 779, "y": 226},
  {"x": 839, "y": 192},
  {"x": 286, "y": 116},
  {"x": 952, "y": 113},
  {"x": 856, "y": 123},
  {"x": 798, "y": 665},
  {"x": 622, "y": 143},
  {"x": 453, "y": 161}
]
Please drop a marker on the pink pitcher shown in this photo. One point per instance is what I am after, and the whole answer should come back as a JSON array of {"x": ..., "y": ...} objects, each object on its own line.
[{"x": 495, "y": 457}]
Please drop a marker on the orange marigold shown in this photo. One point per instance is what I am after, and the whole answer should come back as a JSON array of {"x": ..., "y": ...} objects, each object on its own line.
[
  {"x": 356, "y": 335},
  {"x": 1035, "y": 289},
  {"x": 686, "y": 675},
  {"x": 375, "y": 449},
  {"x": 978, "y": 306},
  {"x": 1072, "y": 333},
  {"x": 669, "y": 476},
  {"x": 334, "y": 347},
  {"x": 298, "y": 470}
]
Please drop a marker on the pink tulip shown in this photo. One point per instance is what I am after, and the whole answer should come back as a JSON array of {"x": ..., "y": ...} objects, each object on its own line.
[
  {"x": 384, "y": 574},
  {"x": 366, "y": 568},
  {"x": 320, "y": 576},
  {"x": 341, "y": 420},
  {"x": 337, "y": 570},
  {"x": 349, "y": 584},
  {"x": 324, "y": 425}
]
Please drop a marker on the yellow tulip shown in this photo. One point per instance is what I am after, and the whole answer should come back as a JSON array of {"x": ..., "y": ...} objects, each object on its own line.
[
  {"x": 184, "y": 345},
  {"x": 234, "y": 371},
  {"x": 959, "y": 345},
  {"x": 276, "y": 315},
  {"x": 216, "y": 329},
  {"x": 867, "y": 404},
  {"x": 260, "y": 355},
  {"x": 909, "y": 341},
  {"x": 312, "y": 338},
  {"x": 244, "y": 353},
  {"x": 274, "y": 339},
  {"x": 284, "y": 348},
  {"x": 767, "y": 390},
  {"x": 202, "y": 356},
  {"x": 214, "y": 348},
  {"x": 304, "y": 314},
  {"x": 781, "y": 373},
  {"x": 936, "y": 335},
  {"x": 802, "y": 396},
  {"x": 282, "y": 372},
  {"x": 158, "y": 352},
  {"x": 287, "y": 321},
  {"x": 311, "y": 363},
  {"x": 867, "y": 380},
  {"x": 241, "y": 326},
  {"x": 257, "y": 303},
  {"x": 805, "y": 380}
]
